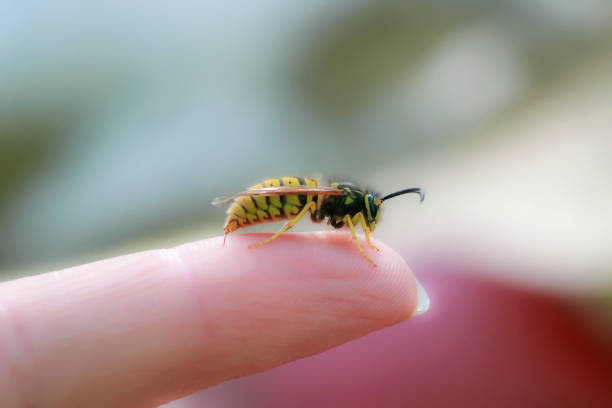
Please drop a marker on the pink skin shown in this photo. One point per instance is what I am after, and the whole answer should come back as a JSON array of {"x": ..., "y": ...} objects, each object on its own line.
[{"x": 147, "y": 328}]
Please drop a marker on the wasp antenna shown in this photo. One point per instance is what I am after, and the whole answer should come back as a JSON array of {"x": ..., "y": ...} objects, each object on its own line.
[{"x": 417, "y": 190}]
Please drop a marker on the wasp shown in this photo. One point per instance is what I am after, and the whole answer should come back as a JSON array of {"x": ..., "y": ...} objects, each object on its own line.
[{"x": 342, "y": 203}]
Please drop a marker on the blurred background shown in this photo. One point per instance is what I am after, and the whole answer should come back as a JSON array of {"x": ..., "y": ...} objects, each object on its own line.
[{"x": 119, "y": 122}]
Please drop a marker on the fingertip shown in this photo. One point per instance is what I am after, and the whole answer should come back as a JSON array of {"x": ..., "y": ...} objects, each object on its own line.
[
  {"x": 181, "y": 319},
  {"x": 386, "y": 293}
]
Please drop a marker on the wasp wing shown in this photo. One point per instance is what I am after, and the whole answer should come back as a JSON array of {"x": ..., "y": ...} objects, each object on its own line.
[{"x": 276, "y": 191}]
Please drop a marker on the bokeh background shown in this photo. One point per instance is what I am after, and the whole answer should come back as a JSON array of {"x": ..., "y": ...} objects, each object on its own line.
[{"x": 120, "y": 121}]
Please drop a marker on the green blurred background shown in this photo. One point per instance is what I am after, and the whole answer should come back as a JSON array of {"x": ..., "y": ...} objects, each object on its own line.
[{"x": 119, "y": 122}]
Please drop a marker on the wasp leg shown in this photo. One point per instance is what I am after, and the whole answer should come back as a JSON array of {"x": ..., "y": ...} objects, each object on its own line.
[
  {"x": 347, "y": 219},
  {"x": 289, "y": 224},
  {"x": 369, "y": 234},
  {"x": 359, "y": 218}
]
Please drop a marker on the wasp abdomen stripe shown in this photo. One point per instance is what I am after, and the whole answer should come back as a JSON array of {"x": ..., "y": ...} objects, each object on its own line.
[{"x": 247, "y": 210}]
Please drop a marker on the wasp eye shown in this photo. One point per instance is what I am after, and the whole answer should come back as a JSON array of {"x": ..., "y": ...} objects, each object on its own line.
[{"x": 373, "y": 208}]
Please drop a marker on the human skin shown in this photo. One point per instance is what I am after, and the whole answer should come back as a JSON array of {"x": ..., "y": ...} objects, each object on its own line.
[{"x": 147, "y": 328}]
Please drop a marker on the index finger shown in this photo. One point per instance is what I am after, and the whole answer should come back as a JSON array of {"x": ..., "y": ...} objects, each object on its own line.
[{"x": 151, "y": 327}]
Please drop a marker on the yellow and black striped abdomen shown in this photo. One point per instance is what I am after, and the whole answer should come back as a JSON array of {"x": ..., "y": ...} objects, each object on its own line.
[{"x": 246, "y": 210}]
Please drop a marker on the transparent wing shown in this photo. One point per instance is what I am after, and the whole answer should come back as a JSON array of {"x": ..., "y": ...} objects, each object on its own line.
[{"x": 276, "y": 191}]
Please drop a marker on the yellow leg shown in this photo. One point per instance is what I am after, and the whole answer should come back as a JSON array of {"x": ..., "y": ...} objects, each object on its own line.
[
  {"x": 347, "y": 219},
  {"x": 359, "y": 218},
  {"x": 289, "y": 224},
  {"x": 368, "y": 235}
]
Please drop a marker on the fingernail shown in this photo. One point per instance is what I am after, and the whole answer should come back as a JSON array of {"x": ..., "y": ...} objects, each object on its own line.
[{"x": 422, "y": 300}]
